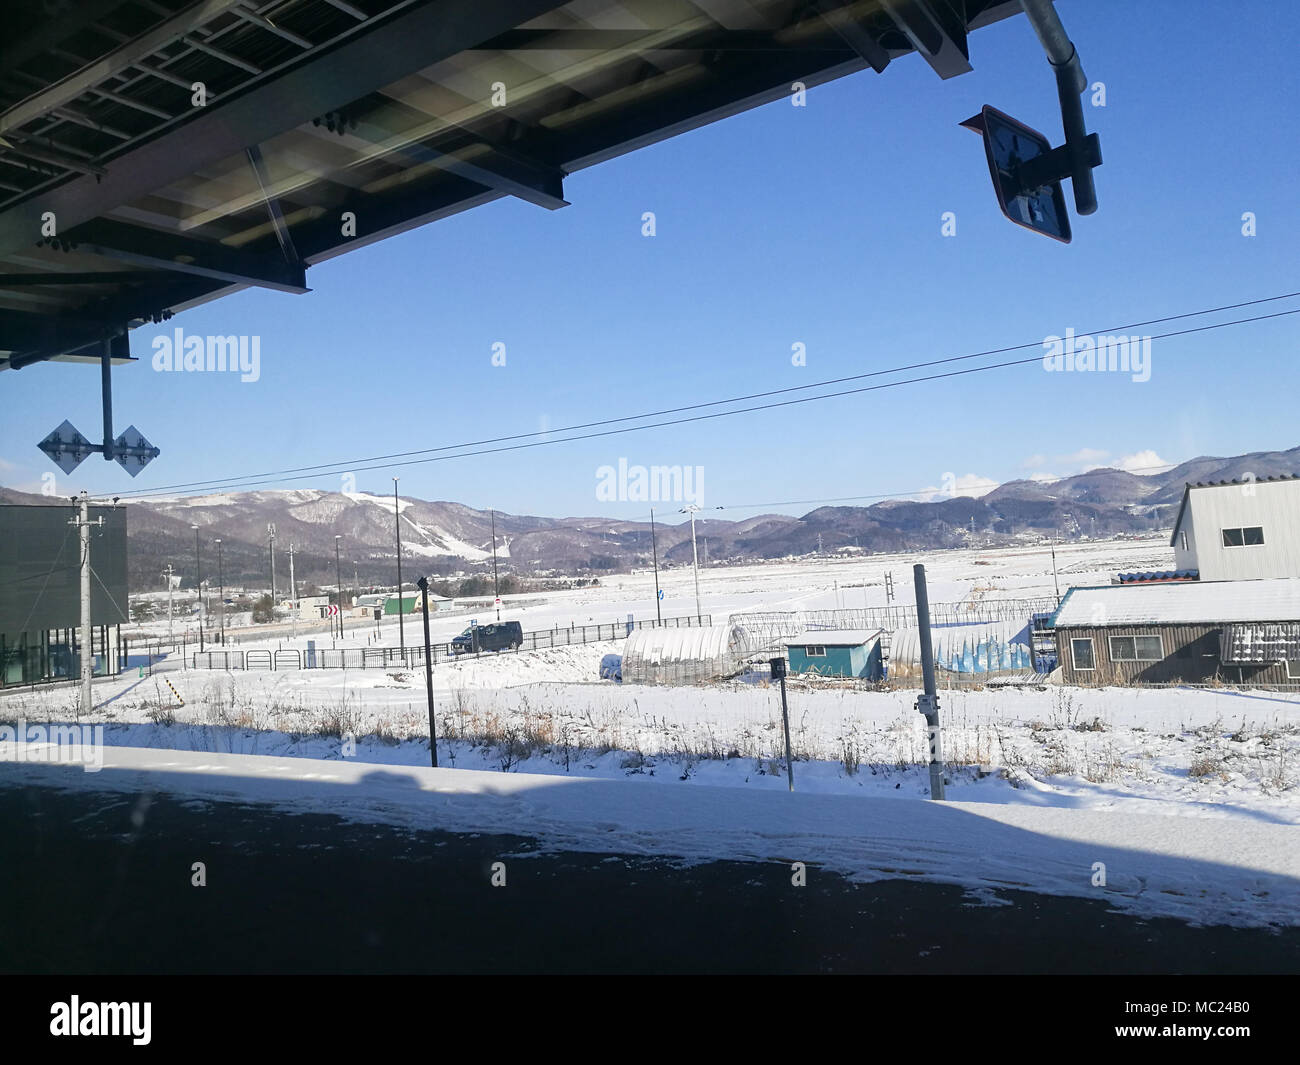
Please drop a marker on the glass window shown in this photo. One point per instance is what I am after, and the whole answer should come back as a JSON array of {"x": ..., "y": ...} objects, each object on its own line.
[
  {"x": 1148, "y": 648},
  {"x": 1136, "y": 649},
  {"x": 1251, "y": 536},
  {"x": 1081, "y": 652},
  {"x": 815, "y": 651}
]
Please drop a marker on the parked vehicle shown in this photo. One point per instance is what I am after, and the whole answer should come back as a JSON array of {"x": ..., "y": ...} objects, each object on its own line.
[
  {"x": 498, "y": 636},
  {"x": 611, "y": 668}
]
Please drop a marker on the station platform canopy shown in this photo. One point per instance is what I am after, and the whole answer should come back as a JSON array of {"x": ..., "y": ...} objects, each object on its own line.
[{"x": 158, "y": 154}]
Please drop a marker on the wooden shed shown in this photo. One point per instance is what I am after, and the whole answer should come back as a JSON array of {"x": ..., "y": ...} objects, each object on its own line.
[{"x": 1241, "y": 632}]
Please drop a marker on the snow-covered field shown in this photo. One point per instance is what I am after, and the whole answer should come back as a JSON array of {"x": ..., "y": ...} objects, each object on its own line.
[{"x": 1205, "y": 764}]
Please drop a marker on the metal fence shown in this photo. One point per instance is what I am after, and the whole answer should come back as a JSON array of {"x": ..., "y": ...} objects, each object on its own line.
[
  {"x": 413, "y": 657},
  {"x": 764, "y": 630}
]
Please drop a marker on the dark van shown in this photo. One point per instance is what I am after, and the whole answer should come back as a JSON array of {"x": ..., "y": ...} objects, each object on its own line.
[{"x": 499, "y": 636}]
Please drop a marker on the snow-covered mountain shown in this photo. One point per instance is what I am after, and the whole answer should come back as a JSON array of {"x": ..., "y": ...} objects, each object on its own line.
[{"x": 442, "y": 538}]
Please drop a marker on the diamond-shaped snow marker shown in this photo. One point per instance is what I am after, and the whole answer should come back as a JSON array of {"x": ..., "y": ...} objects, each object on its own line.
[
  {"x": 132, "y": 451},
  {"x": 67, "y": 447}
]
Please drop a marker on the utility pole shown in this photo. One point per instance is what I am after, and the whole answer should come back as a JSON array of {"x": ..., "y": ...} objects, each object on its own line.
[
  {"x": 293, "y": 593},
  {"x": 778, "y": 673},
  {"x": 270, "y": 529},
  {"x": 1055, "y": 582},
  {"x": 338, "y": 579},
  {"x": 83, "y": 523},
  {"x": 496, "y": 588},
  {"x": 928, "y": 703},
  {"x": 198, "y": 583},
  {"x": 423, "y": 585},
  {"x": 401, "y": 623},
  {"x": 221, "y": 591},
  {"x": 692, "y": 509},
  {"x": 654, "y": 548},
  {"x": 168, "y": 575}
]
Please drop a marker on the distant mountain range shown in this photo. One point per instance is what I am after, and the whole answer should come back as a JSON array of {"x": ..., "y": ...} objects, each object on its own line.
[{"x": 446, "y": 538}]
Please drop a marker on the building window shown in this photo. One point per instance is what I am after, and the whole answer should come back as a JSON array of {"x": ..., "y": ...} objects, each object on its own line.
[
  {"x": 1292, "y": 669},
  {"x": 1081, "y": 653},
  {"x": 1136, "y": 649},
  {"x": 815, "y": 650},
  {"x": 1250, "y": 536},
  {"x": 1184, "y": 536}
]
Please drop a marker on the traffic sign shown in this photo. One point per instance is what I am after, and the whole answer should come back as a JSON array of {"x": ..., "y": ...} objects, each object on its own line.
[
  {"x": 132, "y": 451},
  {"x": 661, "y": 593},
  {"x": 66, "y": 447},
  {"x": 333, "y": 610}
]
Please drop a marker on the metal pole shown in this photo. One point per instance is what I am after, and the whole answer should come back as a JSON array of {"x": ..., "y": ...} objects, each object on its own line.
[
  {"x": 423, "y": 584},
  {"x": 221, "y": 591},
  {"x": 198, "y": 582},
  {"x": 170, "y": 634},
  {"x": 401, "y": 623},
  {"x": 293, "y": 593},
  {"x": 778, "y": 673},
  {"x": 496, "y": 589},
  {"x": 1070, "y": 83},
  {"x": 654, "y": 547},
  {"x": 271, "y": 530},
  {"x": 338, "y": 578},
  {"x": 690, "y": 509},
  {"x": 928, "y": 703},
  {"x": 87, "y": 637},
  {"x": 1056, "y": 583},
  {"x": 106, "y": 387}
]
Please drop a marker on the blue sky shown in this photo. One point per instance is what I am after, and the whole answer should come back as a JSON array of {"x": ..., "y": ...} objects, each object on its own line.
[{"x": 818, "y": 225}]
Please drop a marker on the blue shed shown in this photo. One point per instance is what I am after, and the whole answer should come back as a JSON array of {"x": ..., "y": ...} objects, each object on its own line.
[{"x": 837, "y": 653}]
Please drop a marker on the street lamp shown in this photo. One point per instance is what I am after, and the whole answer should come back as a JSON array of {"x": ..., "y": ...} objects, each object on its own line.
[
  {"x": 692, "y": 509},
  {"x": 270, "y": 530},
  {"x": 221, "y": 590},
  {"x": 198, "y": 582},
  {"x": 397, "y": 522},
  {"x": 338, "y": 579}
]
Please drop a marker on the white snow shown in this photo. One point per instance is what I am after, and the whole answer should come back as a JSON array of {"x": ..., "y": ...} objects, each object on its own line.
[
  {"x": 1194, "y": 791},
  {"x": 1183, "y": 602},
  {"x": 1201, "y": 871}
]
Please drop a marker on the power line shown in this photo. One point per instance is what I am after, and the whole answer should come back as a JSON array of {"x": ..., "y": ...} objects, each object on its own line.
[{"x": 333, "y": 468}]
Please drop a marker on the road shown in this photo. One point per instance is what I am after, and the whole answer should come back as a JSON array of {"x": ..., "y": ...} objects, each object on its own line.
[{"x": 101, "y": 883}]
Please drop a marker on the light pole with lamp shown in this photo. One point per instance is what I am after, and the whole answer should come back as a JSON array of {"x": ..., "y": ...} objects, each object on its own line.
[
  {"x": 401, "y": 623},
  {"x": 198, "y": 581},
  {"x": 338, "y": 578},
  {"x": 692, "y": 509},
  {"x": 221, "y": 591}
]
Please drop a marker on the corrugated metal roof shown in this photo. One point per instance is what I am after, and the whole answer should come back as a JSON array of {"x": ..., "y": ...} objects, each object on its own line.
[
  {"x": 1160, "y": 575},
  {"x": 833, "y": 637},
  {"x": 1181, "y": 603}
]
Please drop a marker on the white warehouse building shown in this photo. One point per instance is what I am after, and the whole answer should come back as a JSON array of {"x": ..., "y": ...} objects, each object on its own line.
[{"x": 1239, "y": 530}]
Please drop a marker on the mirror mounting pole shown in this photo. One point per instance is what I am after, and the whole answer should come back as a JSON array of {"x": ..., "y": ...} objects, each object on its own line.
[{"x": 1083, "y": 150}]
